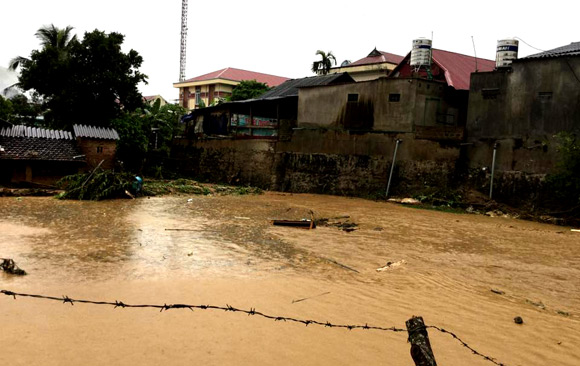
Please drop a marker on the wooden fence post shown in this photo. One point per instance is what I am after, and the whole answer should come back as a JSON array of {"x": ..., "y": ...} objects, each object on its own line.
[{"x": 420, "y": 347}]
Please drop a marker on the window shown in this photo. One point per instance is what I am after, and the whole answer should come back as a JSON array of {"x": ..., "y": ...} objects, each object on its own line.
[
  {"x": 489, "y": 93},
  {"x": 394, "y": 97},
  {"x": 544, "y": 96},
  {"x": 198, "y": 95},
  {"x": 99, "y": 149},
  {"x": 352, "y": 98}
]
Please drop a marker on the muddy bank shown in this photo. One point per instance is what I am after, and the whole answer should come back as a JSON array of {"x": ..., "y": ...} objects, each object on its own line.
[{"x": 227, "y": 252}]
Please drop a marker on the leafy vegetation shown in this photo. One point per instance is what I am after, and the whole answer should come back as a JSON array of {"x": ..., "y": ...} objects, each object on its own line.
[
  {"x": 248, "y": 89},
  {"x": 20, "y": 110},
  {"x": 323, "y": 66},
  {"x": 95, "y": 185},
  {"x": 108, "y": 184},
  {"x": 147, "y": 129},
  {"x": 91, "y": 79},
  {"x": 564, "y": 183}
]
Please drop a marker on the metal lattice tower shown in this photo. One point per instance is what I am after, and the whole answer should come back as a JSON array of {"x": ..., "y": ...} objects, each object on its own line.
[{"x": 182, "y": 56}]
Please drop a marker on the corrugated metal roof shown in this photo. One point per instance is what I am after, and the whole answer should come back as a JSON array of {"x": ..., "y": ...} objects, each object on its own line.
[
  {"x": 457, "y": 68},
  {"x": 573, "y": 49},
  {"x": 95, "y": 132},
  {"x": 290, "y": 87},
  {"x": 34, "y": 132},
  {"x": 230, "y": 73}
]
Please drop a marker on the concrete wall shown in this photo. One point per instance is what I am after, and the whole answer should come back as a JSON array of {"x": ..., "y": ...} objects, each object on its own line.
[
  {"x": 321, "y": 161},
  {"x": 534, "y": 99},
  {"x": 420, "y": 103}
]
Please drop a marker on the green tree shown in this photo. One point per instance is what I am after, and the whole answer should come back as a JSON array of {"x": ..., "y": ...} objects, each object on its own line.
[
  {"x": 144, "y": 130},
  {"x": 248, "y": 89},
  {"x": 51, "y": 37},
  {"x": 24, "y": 110},
  {"x": 90, "y": 80},
  {"x": 6, "y": 109},
  {"x": 323, "y": 66}
]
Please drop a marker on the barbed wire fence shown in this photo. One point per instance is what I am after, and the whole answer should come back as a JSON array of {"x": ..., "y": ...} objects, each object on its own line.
[{"x": 253, "y": 312}]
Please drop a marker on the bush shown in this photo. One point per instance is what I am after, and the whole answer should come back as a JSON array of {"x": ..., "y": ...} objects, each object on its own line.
[{"x": 564, "y": 183}]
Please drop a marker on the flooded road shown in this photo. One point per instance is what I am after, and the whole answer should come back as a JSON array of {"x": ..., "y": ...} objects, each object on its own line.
[{"x": 222, "y": 250}]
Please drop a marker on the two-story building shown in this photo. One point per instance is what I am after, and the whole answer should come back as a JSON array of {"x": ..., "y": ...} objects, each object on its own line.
[{"x": 205, "y": 89}]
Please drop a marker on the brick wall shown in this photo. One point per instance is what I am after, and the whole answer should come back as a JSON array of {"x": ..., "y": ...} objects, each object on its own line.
[{"x": 96, "y": 150}]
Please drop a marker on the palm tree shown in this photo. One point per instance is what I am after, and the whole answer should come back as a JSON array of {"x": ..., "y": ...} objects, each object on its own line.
[
  {"x": 323, "y": 66},
  {"x": 50, "y": 36}
]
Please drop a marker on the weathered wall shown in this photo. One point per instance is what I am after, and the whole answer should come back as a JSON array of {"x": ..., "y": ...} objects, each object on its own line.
[
  {"x": 534, "y": 99},
  {"x": 391, "y": 105},
  {"x": 229, "y": 161},
  {"x": 96, "y": 150},
  {"x": 323, "y": 162},
  {"x": 37, "y": 172}
]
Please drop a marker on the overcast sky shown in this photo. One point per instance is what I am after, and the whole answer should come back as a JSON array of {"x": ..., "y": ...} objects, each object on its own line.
[{"x": 281, "y": 37}]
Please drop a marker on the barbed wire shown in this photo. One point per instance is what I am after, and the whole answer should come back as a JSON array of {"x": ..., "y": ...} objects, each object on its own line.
[
  {"x": 120, "y": 304},
  {"x": 488, "y": 358}
]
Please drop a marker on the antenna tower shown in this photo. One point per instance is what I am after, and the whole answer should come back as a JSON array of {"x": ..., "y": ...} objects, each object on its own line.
[{"x": 183, "y": 40}]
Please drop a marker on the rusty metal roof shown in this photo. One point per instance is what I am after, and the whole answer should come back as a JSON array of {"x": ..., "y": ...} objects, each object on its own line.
[
  {"x": 35, "y": 132},
  {"x": 95, "y": 132}
]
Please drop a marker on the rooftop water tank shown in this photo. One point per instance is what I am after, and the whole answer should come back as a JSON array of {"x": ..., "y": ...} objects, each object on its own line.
[
  {"x": 507, "y": 51},
  {"x": 421, "y": 52}
]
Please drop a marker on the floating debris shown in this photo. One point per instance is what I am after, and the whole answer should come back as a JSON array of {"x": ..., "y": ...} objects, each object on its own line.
[
  {"x": 391, "y": 265},
  {"x": 496, "y": 291},
  {"x": 9, "y": 266},
  {"x": 311, "y": 297},
  {"x": 304, "y": 223},
  {"x": 518, "y": 320}
]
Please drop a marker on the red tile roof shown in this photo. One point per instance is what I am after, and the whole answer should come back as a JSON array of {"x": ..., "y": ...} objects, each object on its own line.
[
  {"x": 458, "y": 67},
  {"x": 233, "y": 74},
  {"x": 375, "y": 58}
]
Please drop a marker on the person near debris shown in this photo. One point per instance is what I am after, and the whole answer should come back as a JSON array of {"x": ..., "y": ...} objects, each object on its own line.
[{"x": 138, "y": 185}]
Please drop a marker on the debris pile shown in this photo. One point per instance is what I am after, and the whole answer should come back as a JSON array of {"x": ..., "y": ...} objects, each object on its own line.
[{"x": 341, "y": 222}]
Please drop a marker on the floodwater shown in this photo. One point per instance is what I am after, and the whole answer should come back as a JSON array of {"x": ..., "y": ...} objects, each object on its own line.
[{"x": 222, "y": 250}]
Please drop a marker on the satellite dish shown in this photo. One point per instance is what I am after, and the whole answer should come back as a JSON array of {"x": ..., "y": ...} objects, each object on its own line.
[{"x": 345, "y": 63}]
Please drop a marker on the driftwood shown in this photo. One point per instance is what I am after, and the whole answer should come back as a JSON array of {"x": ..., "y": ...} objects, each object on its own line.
[
  {"x": 341, "y": 265},
  {"x": 420, "y": 346},
  {"x": 8, "y": 266}
]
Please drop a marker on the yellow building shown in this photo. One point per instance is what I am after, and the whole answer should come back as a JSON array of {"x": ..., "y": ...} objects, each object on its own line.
[
  {"x": 375, "y": 65},
  {"x": 206, "y": 89}
]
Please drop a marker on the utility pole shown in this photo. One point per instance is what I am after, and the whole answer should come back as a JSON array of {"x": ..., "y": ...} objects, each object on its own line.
[{"x": 183, "y": 40}]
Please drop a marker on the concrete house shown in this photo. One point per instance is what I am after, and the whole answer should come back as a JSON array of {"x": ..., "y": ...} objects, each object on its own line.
[
  {"x": 429, "y": 101},
  {"x": 375, "y": 65},
  {"x": 519, "y": 108},
  {"x": 208, "y": 88},
  {"x": 271, "y": 115}
]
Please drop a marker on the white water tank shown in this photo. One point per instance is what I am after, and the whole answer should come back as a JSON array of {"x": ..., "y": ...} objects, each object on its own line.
[
  {"x": 421, "y": 52},
  {"x": 507, "y": 51}
]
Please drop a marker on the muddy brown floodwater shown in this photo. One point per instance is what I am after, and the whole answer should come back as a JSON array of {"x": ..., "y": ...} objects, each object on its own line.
[{"x": 226, "y": 252}]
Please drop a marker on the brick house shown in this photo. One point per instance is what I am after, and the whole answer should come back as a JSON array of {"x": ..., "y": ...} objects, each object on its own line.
[
  {"x": 97, "y": 144},
  {"x": 40, "y": 156}
]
